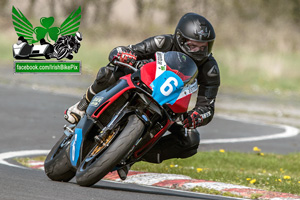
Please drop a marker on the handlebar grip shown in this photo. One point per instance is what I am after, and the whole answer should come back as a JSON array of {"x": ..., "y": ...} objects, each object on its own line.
[{"x": 124, "y": 65}]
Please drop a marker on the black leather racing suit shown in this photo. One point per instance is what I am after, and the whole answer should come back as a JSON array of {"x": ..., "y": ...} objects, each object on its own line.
[
  {"x": 178, "y": 145},
  {"x": 67, "y": 42}
]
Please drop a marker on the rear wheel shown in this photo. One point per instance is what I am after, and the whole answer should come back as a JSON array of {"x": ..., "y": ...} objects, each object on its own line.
[
  {"x": 57, "y": 164},
  {"x": 102, "y": 159}
]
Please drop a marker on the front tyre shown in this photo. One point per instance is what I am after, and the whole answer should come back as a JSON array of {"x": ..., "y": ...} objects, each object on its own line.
[
  {"x": 57, "y": 164},
  {"x": 61, "y": 53},
  {"x": 89, "y": 173}
]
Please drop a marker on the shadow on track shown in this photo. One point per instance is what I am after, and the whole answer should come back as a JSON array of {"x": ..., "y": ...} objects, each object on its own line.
[{"x": 128, "y": 187}]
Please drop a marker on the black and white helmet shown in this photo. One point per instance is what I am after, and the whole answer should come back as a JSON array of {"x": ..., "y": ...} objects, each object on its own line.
[
  {"x": 194, "y": 35},
  {"x": 78, "y": 36}
]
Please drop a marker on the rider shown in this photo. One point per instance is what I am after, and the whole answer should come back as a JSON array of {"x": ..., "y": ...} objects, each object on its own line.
[
  {"x": 194, "y": 36},
  {"x": 69, "y": 41}
]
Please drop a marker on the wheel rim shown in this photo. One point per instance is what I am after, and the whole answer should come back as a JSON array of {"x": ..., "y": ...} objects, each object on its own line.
[{"x": 98, "y": 149}]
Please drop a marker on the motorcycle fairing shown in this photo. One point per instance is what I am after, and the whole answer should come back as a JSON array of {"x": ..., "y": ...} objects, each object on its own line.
[
  {"x": 167, "y": 87},
  {"x": 75, "y": 146},
  {"x": 152, "y": 74},
  {"x": 105, "y": 98},
  {"x": 81, "y": 130},
  {"x": 184, "y": 100}
]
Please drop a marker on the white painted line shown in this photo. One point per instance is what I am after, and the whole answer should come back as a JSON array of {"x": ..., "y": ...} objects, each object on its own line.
[
  {"x": 13, "y": 154},
  {"x": 214, "y": 185},
  {"x": 35, "y": 163},
  {"x": 289, "y": 131},
  {"x": 152, "y": 178}
]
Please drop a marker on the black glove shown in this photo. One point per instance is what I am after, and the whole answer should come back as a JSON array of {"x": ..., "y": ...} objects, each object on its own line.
[{"x": 193, "y": 120}]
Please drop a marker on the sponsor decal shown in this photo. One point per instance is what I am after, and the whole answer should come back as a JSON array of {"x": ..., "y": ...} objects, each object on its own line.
[
  {"x": 161, "y": 65},
  {"x": 96, "y": 101}
]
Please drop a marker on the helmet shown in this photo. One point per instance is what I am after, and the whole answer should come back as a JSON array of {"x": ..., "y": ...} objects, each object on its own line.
[
  {"x": 78, "y": 36},
  {"x": 194, "y": 35}
]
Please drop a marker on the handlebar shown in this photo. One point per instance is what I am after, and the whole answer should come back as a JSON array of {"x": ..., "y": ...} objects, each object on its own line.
[{"x": 125, "y": 65}]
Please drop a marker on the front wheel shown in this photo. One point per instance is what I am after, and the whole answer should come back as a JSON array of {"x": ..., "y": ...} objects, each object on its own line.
[
  {"x": 61, "y": 53},
  {"x": 95, "y": 166},
  {"x": 57, "y": 164}
]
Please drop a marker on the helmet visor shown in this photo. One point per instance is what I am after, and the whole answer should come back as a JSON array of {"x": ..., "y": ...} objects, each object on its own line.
[
  {"x": 192, "y": 46},
  {"x": 198, "y": 50}
]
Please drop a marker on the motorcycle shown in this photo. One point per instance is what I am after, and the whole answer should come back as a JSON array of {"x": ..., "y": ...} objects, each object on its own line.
[
  {"x": 123, "y": 122},
  {"x": 62, "y": 50},
  {"x": 22, "y": 50}
]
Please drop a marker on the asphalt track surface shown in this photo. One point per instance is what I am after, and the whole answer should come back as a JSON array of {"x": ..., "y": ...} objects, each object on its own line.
[{"x": 31, "y": 119}]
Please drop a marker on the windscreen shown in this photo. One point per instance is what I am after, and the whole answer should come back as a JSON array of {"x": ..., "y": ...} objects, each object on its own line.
[{"x": 182, "y": 65}]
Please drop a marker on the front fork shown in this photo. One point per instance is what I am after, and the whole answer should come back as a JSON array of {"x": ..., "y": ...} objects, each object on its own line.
[{"x": 101, "y": 137}]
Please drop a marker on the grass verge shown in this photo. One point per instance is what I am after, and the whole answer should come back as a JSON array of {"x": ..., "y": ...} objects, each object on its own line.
[
  {"x": 215, "y": 192},
  {"x": 25, "y": 160},
  {"x": 271, "y": 172}
]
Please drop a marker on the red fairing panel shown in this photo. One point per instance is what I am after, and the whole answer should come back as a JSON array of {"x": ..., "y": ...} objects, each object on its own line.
[
  {"x": 181, "y": 105},
  {"x": 116, "y": 96},
  {"x": 128, "y": 79},
  {"x": 148, "y": 73}
]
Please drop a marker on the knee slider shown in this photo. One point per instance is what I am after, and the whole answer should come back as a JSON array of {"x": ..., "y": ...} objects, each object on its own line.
[
  {"x": 103, "y": 75},
  {"x": 193, "y": 138}
]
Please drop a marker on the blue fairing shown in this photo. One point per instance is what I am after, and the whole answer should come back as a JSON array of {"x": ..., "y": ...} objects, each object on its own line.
[
  {"x": 81, "y": 131},
  {"x": 75, "y": 146},
  {"x": 167, "y": 88}
]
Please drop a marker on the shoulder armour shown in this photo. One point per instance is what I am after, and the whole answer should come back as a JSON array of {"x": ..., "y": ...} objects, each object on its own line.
[
  {"x": 163, "y": 42},
  {"x": 147, "y": 48},
  {"x": 209, "y": 78}
]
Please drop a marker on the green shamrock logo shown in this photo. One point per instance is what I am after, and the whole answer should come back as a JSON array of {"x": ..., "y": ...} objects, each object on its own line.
[
  {"x": 24, "y": 28},
  {"x": 42, "y": 32}
]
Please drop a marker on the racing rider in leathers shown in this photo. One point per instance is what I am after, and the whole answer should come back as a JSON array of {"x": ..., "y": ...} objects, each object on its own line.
[
  {"x": 194, "y": 36},
  {"x": 67, "y": 43}
]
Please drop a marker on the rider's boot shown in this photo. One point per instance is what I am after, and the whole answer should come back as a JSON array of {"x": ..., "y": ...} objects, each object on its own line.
[{"x": 76, "y": 112}]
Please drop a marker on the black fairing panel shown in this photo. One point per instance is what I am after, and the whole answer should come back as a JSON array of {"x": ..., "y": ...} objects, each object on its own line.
[{"x": 100, "y": 98}]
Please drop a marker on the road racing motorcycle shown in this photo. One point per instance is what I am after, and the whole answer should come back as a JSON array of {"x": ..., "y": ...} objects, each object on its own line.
[{"x": 123, "y": 122}]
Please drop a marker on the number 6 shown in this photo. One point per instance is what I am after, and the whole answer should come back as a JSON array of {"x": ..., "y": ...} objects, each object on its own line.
[{"x": 167, "y": 88}]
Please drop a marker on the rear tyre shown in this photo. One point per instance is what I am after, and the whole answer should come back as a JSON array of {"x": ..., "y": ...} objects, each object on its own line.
[
  {"x": 57, "y": 164},
  {"x": 89, "y": 173}
]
